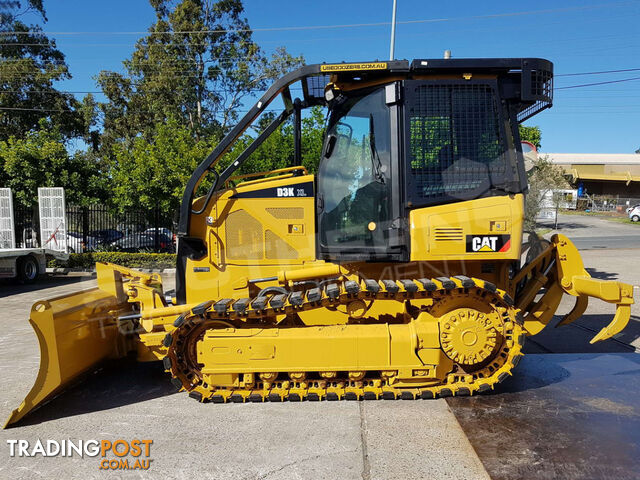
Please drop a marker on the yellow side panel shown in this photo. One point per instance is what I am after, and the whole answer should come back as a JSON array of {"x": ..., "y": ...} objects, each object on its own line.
[
  {"x": 252, "y": 230},
  {"x": 483, "y": 229},
  {"x": 266, "y": 231},
  {"x": 334, "y": 347}
]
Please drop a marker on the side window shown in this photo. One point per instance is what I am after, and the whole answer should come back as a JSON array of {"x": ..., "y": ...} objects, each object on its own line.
[{"x": 455, "y": 145}]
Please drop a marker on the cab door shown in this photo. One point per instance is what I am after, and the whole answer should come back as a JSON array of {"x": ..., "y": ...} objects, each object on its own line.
[{"x": 358, "y": 198}]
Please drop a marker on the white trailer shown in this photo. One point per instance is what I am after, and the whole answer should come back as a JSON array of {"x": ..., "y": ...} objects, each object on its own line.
[{"x": 27, "y": 264}]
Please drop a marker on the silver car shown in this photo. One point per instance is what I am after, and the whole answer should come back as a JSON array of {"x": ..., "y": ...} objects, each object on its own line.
[
  {"x": 634, "y": 213},
  {"x": 75, "y": 243}
]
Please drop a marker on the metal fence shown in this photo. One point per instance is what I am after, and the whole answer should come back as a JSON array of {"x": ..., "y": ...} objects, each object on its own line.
[
  {"x": 606, "y": 203},
  {"x": 97, "y": 228}
]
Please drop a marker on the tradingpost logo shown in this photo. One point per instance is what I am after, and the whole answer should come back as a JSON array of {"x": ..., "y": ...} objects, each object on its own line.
[{"x": 114, "y": 455}]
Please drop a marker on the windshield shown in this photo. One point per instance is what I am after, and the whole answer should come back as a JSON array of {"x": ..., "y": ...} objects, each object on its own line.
[{"x": 354, "y": 176}]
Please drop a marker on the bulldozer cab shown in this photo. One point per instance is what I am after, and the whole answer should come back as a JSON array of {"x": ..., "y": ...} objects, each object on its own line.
[
  {"x": 408, "y": 144},
  {"x": 400, "y": 135}
]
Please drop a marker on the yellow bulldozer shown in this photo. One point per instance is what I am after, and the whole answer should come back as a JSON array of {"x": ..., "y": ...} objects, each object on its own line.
[{"x": 397, "y": 271}]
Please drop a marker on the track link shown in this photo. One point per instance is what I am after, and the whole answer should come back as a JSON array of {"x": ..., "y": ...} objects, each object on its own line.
[{"x": 180, "y": 363}]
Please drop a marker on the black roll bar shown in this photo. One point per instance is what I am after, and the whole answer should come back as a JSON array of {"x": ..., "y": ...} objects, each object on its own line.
[{"x": 214, "y": 157}]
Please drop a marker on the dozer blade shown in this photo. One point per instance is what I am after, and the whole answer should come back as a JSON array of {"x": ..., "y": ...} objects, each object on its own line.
[
  {"x": 76, "y": 332},
  {"x": 559, "y": 269}
]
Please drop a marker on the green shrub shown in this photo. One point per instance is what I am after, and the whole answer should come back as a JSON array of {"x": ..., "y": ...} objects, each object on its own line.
[{"x": 131, "y": 260}]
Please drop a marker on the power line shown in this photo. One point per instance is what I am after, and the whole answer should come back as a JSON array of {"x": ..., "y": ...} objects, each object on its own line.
[
  {"x": 324, "y": 27},
  {"x": 186, "y": 60},
  {"x": 69, "y": 110},
  {"x": 597, "y": 73},
  {"x": 597, "y": 83},
  {"x": 293, "y": 88},
  {"x": 36, "y": 109},
  {"x": 185, "y": 75},
  {"x": 60, "y": 43},
  {"x": 52, "y": 92},
  {"x": 597, "y": 109}
]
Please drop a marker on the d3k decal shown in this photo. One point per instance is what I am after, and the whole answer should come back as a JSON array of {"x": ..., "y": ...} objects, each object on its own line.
[{"x": 488, "y": 243}]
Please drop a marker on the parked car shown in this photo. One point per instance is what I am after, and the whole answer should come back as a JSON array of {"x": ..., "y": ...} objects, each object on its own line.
[
  {"x": 164, "y": 231},
  {"x": 75, "y": 243},
  {"x": 629, "y": 209},
  {"x": 106, "y": 236},
  {"x": 130, "y": 228},
  {"x": 137, "y": 242},
  {"x": 634, "y": 214}
]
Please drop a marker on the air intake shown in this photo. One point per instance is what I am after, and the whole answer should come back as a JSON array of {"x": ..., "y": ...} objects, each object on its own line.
[{"x": 448, "y": 234}]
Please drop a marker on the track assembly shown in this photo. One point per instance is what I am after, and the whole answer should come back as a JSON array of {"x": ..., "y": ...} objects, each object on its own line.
[{"x": 480, "y": 332}]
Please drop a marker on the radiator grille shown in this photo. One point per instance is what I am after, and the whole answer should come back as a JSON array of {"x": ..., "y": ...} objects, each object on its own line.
[
  {"x": 244, "y": 237},
  {"x": 277, "y": 248},
  {"x": 292, "y": 213},
  {"x": 448, "y": 234}
]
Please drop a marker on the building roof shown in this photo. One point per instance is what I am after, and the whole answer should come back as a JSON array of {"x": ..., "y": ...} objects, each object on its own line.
[
  {"x": 594, "y": 158},
  {"x": 613, "y": 167}
]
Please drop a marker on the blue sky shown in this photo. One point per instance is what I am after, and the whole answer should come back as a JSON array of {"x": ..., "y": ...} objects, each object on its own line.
[{"x": 577, "y": 36}]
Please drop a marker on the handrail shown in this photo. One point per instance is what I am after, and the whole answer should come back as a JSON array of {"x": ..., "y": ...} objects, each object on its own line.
[
  {"x": 264, "y": 174},
  {"x": 253, "y": 113}
]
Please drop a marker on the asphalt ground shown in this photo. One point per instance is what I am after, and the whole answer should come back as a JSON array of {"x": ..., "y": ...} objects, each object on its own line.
[
  {"x": 590, "y": 232},
  {"x": 570, "y": 411}
]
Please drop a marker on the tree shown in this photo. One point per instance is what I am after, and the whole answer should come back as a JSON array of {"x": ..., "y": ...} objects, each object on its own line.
[
  {"x": 40, "y": 159},
  {"x": 277, "y": 151},
  {"x": 29, "y": 65},
  {"x": 544, "y": 177},
  {"x": 531, "y": 134},
  {"x": 153, "y": 173},
  {"x": 196, "y": 66}
]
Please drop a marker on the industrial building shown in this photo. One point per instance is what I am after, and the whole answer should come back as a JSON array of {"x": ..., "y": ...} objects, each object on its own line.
[{"x": 611, "y": 174}]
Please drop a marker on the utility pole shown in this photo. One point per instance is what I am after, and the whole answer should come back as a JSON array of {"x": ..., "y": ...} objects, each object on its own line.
[{"x": 393, "y": 31}]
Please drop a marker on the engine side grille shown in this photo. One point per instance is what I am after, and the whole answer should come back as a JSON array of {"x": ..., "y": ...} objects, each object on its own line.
[
  {"x": 448, "y": 234},
  {"x": 277, "y": 248},
  {"x": 292, "y": 213},
  {"x": 244, "y": 236}
]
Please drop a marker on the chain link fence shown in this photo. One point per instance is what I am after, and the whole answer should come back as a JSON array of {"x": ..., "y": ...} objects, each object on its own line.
[{"x": 606, "y": 203}]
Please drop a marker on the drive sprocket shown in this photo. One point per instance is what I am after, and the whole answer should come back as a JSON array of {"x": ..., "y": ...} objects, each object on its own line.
[{"x": 469, "y": 337}]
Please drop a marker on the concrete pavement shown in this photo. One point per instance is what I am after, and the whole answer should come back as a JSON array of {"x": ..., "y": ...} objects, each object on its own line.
[
  {"x": 319, "y": 440},
  {"x": 500, "y": 435}
]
